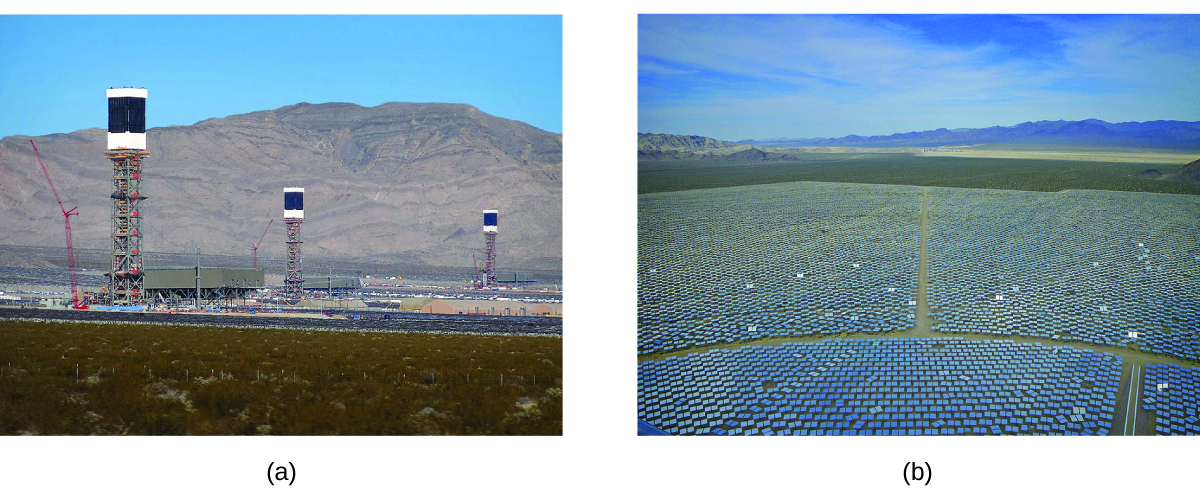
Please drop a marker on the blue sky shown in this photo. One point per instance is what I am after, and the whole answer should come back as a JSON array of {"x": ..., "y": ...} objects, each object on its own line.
[
  {"x": 54, "y": 69},
  {"x": 746, "y": 77}
]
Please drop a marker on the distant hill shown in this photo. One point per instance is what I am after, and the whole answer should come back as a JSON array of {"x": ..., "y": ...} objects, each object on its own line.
[
  {"x": 401, "y": 182},
  {"x": 757, "y": 154},
  {"x": 1149, "y": 174},
  {"x": 742, "y": 155},
  {"x": 1159, "y": 134},
  {"x": 1190, "y": 173},
  {"x": 676, "y": 147},
  {"x": 671, "y": 142}
]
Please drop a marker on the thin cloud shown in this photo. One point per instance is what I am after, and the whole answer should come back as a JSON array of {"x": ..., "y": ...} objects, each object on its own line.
[{"x": 838, "y": 75}]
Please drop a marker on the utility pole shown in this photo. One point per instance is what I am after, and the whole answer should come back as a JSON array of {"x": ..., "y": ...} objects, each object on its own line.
[{"x": 197, "y": 278}]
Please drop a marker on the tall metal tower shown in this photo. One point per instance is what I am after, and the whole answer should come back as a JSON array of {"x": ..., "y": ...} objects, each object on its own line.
[
  {"x": 126, "y": 149},
  {"x": 490, "y": 221},
  {"x": 293, "y": 216}
]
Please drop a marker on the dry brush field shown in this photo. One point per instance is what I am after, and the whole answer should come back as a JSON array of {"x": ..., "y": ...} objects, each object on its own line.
[
  {"x": 1040, "y": 175},
  {"x": 119, "y": 379}
]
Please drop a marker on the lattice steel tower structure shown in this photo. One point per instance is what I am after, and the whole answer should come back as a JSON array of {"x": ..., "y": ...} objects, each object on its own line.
[
  {"x": 126, "y": 149},
  {"x": 490, "y": 221},
  {"x": 293, "y": 216}
]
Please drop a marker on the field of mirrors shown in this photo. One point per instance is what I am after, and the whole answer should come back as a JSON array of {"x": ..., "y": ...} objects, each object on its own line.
[{"x": 853, "y": 309}]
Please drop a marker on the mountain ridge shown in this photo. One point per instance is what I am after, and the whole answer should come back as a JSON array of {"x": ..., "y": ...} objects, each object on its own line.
[
  {"x": 397, "y": 181},
  {"x": 1160, "y": 134}
]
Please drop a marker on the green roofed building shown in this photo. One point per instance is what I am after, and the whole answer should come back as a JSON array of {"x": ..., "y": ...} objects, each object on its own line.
[{"x": 178, "y": 284}]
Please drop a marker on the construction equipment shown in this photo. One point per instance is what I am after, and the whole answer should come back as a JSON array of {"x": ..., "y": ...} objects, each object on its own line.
[
  {"x": 254, "y": 247},
  {"x": 66, "y": 219},
  {"x": 476, "y": 284}
]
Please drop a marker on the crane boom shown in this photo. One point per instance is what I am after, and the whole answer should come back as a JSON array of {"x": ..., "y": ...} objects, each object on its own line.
[
  {"x": 67, "y": 220},
  {"x": 255, "y": 247}
]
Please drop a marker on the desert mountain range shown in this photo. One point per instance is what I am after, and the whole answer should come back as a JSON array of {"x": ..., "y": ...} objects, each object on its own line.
[
  {"x": 1091, "y": 133},
  {"x": 1158, "y": 134},
  {"x": 403, "y": 182}
]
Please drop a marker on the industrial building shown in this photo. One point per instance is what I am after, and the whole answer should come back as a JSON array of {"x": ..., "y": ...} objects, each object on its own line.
[
  {"x": 332, "y": 286},
  {"x": 514, "y": 279},
  {"x": 175, "y": 285}
]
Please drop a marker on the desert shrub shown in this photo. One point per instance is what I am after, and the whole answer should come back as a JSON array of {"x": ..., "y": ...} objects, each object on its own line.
[
  {"x": 224, "y": 397},
  {"x": 135, "y": 379}
]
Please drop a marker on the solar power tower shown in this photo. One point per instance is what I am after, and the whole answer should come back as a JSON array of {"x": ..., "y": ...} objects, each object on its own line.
[
  {"x": 126, "y": 149},
  {"x": 490, "y": 220},
  {"x": 293, "y": 216}
]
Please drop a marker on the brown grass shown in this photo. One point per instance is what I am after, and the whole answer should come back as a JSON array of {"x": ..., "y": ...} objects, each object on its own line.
[{"x": 83, "y": 379}]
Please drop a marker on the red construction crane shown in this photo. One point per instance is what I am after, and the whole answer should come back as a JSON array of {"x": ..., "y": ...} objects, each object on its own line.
[
  {"x": 254, "y": 247},
  {"x": 67, "y": 219}
]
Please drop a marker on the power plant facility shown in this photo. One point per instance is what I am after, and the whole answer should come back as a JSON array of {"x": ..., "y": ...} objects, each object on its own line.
[
  {"x": 177, "y": 285},
  {"x": 293, "y": 216},
  {"x": 126, "y": 149},
  {"x": 491, "y": 219}
]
